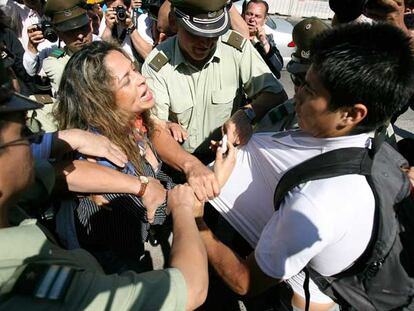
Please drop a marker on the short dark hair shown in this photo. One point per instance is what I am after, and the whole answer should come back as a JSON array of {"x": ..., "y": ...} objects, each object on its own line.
[
  {"x": 368, "y": 64},
  {"x": 246, "y": 5}
]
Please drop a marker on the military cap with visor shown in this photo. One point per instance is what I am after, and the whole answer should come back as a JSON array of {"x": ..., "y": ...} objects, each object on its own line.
[
  {"x": 67, "y": 15},
  {"x": 303, "y": 34},
  {"x": 11, "y": 101},
  {"x": 204, "y": 18}
]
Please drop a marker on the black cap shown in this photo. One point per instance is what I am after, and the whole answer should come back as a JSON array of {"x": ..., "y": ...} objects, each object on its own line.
[{"x": 11, "y": 101}]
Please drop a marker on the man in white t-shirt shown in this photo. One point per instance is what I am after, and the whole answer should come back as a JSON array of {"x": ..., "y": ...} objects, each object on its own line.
[{"x": 324, "y": 224}]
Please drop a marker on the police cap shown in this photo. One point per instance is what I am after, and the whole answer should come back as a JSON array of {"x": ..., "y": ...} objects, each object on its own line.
[
  {"x": 67, "y": 15},
  {"x": 303, "y": 34},
  {"x": 205, "y": 18}
]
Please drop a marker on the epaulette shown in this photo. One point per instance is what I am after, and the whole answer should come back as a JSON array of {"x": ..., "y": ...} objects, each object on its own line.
[
  {"x": 158, "y": 61},
  {"x": 57, "y": 53},
  {"x": 43, "y": 281},
  {"x": 235, "y": 40}
]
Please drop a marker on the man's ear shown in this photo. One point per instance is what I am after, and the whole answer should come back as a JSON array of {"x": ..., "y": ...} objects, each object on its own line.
[
  {"x": 355, "y": 114},
  {"x": 172, "y": 21}
]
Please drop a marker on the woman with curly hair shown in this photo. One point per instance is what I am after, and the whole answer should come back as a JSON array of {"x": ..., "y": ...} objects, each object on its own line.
[{"x": 101, "y": 91}]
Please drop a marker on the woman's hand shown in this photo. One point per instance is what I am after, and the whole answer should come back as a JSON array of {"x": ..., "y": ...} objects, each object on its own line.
[
  {"x": 224, "y": 164},
  {"x": 153, "y": 197}
]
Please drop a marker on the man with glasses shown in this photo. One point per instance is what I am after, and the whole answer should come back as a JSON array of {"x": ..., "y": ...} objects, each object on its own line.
[{"x": 36, "y": 274}]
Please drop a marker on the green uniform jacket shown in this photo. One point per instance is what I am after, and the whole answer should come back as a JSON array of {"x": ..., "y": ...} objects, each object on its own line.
[
  {"x": 25, "y": 250},
  {"x": 201, "y": 100}
]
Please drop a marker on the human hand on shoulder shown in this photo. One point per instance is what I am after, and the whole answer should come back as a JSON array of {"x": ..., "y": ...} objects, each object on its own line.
[
  {"x": 177, "y": 131},
  {"x": 91, "y": 144}
]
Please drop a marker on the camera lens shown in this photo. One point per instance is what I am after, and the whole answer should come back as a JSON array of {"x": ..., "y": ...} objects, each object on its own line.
[{"x": 120, "y": 13}]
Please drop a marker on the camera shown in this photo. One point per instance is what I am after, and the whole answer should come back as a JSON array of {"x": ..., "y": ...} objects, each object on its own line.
[
  {"x": 47, "y": 30},
  {"x": 121, "y": 13}
]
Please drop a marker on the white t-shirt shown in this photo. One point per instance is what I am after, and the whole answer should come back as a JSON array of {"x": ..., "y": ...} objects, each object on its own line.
[{"x": 325, "y": 223}]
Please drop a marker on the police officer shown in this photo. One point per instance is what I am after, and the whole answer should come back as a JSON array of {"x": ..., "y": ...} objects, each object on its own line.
[
  {"x": 283, "y": 117},
  {"x": 72, "y": 25},
  {"x": 37, "y": 274},
  {"x": 199, "y": 78}
]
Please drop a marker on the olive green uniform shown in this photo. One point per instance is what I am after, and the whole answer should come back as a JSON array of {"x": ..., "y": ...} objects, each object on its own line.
[
  {"x": 201, "y": 100},
  {"x": 36, "y": 274}
]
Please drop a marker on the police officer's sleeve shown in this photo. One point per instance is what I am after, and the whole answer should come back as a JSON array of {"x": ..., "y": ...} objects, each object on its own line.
[
  {"x": 154, "y": 290},
  {"x": 94, "y": 290},
  {"x": 255, "y": 74},
  {"x": 159, "y": 88}
]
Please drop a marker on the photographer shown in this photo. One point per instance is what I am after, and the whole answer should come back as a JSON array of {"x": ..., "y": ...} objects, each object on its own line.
[
  {"x": 118, "y": 26},
  {"x": 72, "y": 25}
]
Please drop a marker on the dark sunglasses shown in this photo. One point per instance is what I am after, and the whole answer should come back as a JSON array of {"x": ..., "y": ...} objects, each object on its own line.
[
  {"x": 27, "y": 135},
  {"x": 298, "y": 79}
]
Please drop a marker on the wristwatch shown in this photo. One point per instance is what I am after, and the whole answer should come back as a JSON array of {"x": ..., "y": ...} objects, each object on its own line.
[
  {"x": 130, "y": 29},
  {"x": 249, "y": 113},
  {"x": 144, "y": 183}
]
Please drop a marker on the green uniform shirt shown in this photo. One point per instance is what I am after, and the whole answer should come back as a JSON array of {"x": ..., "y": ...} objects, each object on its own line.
[
  {"x": 202, "y": 100},
  {"x": 88, "y": 287}
]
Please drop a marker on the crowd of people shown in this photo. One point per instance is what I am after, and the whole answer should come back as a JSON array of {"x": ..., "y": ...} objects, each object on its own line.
[{"x": 125, "y": 122}]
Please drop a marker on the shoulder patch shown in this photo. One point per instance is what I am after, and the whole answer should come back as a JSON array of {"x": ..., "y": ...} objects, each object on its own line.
[
  {"x": 57, "y": 53},
  {"x": 42, "y": 281},
  {"x": 158, "y": 61},
  {"x": 235, "y": 40}
]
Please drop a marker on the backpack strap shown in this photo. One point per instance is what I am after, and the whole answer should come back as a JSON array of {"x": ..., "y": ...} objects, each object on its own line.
[{"x": 344, "y": 161}]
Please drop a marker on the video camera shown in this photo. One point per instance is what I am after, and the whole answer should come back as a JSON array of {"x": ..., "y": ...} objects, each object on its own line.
[{"x": 47, "y": 30}]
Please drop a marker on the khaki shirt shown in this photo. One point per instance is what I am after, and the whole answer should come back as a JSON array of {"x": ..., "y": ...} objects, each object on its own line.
[
  {"x": 88, "y": 288},
  {"x": 202, "y": 100},
  {"x": 53, "y": 68}
]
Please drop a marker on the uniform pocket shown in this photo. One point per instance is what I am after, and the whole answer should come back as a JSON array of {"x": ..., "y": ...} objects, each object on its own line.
[{"x": 181, "y": 112}]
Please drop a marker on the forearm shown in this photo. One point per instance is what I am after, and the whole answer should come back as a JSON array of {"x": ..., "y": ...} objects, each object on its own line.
[
  {"x": 187, "y": 244},
  {"x": 88, "y": 177},
  {"x": 228, "y": 265},
  {"x": 30, "y": 63},
  {"x": 140, "y": 45},
  {"x": 238, "y": 23},
  {"x": 265, "y": 101},
  {"x": 170, "y": 151}
]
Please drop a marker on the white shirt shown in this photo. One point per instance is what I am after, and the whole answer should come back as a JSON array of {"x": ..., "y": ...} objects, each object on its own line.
[{"x": 326, "y": 224}]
